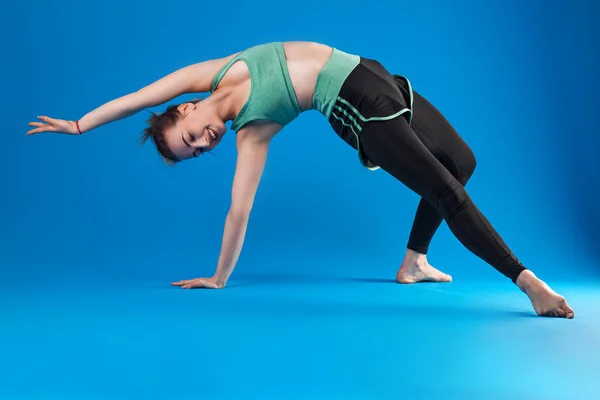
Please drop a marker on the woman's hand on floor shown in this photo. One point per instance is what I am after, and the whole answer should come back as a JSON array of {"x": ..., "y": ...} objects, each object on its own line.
[{"x": 207, "y": 283}]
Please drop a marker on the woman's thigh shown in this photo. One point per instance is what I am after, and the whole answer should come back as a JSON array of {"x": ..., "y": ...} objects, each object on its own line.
[
  {"x": 441, "y": 139},
  {"x": 395, "y": 147}
]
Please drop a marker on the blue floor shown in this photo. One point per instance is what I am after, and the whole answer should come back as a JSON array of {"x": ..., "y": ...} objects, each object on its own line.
[{"x": 294, "y": 337}]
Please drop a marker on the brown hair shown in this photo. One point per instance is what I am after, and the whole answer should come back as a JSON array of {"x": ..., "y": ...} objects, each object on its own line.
[{"x": 157, "y": 125}]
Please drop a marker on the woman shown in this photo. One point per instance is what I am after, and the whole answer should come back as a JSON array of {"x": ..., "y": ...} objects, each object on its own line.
[{"x": 390, "y": 125}]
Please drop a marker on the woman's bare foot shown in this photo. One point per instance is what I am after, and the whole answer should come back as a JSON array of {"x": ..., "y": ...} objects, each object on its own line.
[
  {"x": 545, "y": 301},
  {"x": 415, "y": 268}
]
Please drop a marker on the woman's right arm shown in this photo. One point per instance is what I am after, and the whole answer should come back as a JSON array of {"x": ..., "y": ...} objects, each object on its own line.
[{"x": 195, "y": 78}]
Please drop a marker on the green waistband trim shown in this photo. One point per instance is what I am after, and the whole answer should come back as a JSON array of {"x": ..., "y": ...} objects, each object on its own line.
[{"x": 331, "y": 78}]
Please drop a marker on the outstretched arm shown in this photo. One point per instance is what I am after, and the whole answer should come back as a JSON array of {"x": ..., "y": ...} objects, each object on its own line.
[{"x": 195, "y": 78}]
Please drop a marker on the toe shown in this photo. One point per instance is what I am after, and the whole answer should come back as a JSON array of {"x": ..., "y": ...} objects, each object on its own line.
[
  {"x": 570, "y": 314},
  {"x": 568, "y": 311}
]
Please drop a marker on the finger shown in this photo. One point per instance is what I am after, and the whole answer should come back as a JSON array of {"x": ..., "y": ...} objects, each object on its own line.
[
  {"x": 36, "y": 124},
  {"x": 46, "y": 119},
  {"x": 182, "y": 282},
  {"x": 194, "y": 283},
  {"x": 39, "y": 130}
]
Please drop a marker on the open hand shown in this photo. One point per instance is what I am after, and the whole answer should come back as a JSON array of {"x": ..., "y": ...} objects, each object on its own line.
[
  {"x": 53, "y": 125},
  {"x": 208, "y": 283}
]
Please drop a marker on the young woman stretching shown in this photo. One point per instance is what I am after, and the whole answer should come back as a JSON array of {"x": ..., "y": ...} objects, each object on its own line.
[{"x": 390, "y": 125}]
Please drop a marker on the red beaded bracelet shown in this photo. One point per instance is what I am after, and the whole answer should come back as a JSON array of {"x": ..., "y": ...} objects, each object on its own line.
[{"x": 77, "y": 125}]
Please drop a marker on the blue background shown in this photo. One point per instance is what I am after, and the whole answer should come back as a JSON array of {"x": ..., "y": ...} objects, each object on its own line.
[{"x": 517, "y": 79}]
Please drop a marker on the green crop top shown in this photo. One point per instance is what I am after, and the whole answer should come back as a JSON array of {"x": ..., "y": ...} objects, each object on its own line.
[{"x": 272, "y": 96}]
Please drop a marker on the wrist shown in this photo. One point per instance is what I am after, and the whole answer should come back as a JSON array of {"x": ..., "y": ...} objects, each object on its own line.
[
  {"x": 75, "y": 127},
  {"x": 219, "y": 281},
  {"x": 78, "y": 128}
]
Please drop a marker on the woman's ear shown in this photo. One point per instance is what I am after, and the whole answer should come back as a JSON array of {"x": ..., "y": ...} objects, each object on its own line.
[{"x": 185, "y": 108}]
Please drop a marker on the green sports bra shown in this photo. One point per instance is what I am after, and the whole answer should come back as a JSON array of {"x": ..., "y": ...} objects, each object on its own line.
[{"x": 272, "y": 96}]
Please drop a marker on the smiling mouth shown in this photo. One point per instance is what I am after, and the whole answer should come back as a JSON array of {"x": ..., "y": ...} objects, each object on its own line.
[{"x": 212, "y": 134}]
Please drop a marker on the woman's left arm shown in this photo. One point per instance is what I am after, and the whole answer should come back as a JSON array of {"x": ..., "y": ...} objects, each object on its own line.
[{"x": 253, "y": 146}]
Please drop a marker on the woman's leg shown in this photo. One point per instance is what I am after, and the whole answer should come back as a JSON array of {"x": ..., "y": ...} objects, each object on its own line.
[
  {"x": 397, "y": 149},
  {"x": 442, "y": 140}
]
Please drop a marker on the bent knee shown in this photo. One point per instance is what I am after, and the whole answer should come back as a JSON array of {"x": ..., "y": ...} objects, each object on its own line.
[
  {"x": 471, "y": 163},
  {"x": 466, "y": 167}
]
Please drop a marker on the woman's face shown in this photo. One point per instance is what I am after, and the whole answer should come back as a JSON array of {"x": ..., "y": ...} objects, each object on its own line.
[{"x": 198, "y": 130}]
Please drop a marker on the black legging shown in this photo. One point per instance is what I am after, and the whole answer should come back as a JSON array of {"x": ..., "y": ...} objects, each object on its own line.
[{"x": 431, "y": 159}]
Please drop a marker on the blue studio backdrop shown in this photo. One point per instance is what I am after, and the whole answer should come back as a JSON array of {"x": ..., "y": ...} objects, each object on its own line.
[
  {"x": 94, "y": 228},
  {"x": 517, "y": 79}
]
